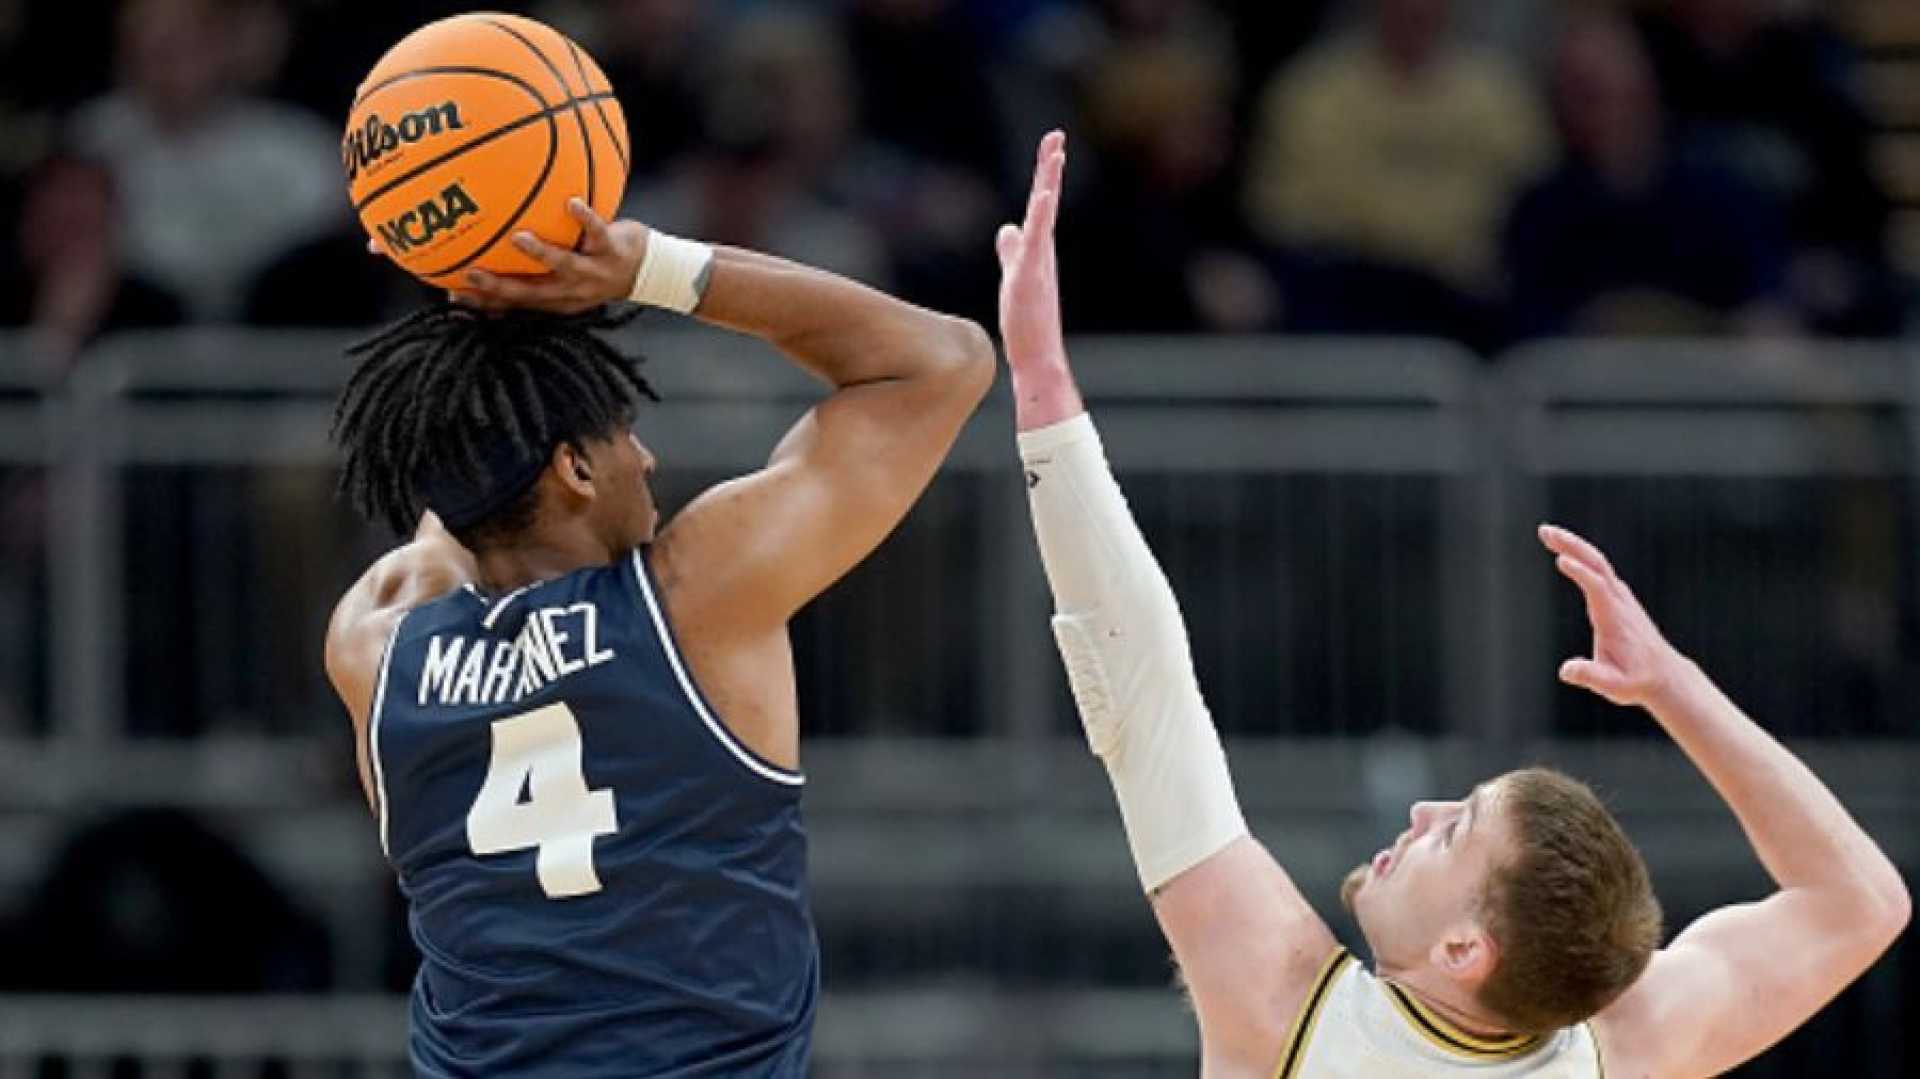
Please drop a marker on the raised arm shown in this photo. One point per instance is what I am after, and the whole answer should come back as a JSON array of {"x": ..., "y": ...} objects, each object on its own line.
[
  {"x": 745, "y": 556},
  {"x": 1247, "y": 942},
  {"x": 1740, "y": 978}
]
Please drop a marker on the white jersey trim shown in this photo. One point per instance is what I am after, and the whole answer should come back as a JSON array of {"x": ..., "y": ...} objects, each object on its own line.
[
  {"x": 373, "y": 732},
  {"x": 493, "y": 613},
  {"x": 719, "y": 731}
]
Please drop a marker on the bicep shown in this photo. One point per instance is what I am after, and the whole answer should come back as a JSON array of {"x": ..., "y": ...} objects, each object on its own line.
[
  {"x": 1734, "y": 983},
  {"x": 1248, "y": 944}
]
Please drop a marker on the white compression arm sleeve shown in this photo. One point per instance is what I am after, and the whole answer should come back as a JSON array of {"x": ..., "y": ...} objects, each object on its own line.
[{"x": 1125, "y": 647}]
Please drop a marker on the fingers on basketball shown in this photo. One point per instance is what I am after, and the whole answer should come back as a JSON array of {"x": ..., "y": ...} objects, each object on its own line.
[
  {"x": 555, "y": 259},
  {"x": 594, "y": 236}
]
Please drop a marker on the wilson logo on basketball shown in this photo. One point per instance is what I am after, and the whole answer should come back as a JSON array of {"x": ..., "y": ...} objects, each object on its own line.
[
  {"x": 420, "y": 225},
  {"x": 376, "y": 138}
]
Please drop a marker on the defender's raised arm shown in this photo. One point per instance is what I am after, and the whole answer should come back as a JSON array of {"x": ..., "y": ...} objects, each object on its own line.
[
  {"x": 1247, "y": 942},
  {"x": 1743, "y": 977}
]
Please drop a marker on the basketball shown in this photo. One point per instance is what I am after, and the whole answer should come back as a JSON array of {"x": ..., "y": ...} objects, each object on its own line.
[{"x": 473, "y": 127}]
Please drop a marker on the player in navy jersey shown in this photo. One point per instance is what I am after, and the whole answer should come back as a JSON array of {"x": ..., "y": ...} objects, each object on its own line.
[{"x": 577, "y": 730}]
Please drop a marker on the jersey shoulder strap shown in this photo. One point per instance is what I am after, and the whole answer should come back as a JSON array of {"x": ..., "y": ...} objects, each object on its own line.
[{"x": 1301, "y": 1032}]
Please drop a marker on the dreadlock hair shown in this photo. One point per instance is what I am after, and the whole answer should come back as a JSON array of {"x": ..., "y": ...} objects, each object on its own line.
[{"x": 449, "y": 398}]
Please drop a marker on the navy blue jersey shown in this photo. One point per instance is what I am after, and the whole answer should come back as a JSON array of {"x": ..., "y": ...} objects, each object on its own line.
[{"x": 603, "y": 881}]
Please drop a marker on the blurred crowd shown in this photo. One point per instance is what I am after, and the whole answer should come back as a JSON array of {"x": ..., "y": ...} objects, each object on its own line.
[{"x": 1484, "y": 172}]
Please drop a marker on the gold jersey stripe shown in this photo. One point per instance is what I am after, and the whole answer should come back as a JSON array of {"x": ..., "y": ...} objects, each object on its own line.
[
  {"x": 1436, "y": 1029},
  {"x": 1303, "y": 1023}
]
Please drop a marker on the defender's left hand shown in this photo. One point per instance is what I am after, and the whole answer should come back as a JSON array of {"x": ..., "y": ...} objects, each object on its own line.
[
  {"x": 1632, "y": 663},
  {"x": 601, "y": 272},
  {"x": 1029, "y": 280}
]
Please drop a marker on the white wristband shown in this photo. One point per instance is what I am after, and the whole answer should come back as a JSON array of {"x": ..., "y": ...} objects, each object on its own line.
[{"x": 674, "y": 274}]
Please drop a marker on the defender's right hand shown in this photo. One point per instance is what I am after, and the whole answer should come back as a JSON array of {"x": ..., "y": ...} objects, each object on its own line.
[{"x": 1632, "y": 663}]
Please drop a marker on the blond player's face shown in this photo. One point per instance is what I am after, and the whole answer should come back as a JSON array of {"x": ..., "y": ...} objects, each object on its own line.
[{"x": 1428, "y": 884}]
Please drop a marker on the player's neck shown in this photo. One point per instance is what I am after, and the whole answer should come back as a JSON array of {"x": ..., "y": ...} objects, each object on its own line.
[
  {"x": 1453, "y": 1004},
  {"x": 536, "y": 558}
]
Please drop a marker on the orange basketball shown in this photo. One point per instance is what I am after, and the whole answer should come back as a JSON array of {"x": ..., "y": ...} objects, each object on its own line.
[{"x": 473, "y": 127}]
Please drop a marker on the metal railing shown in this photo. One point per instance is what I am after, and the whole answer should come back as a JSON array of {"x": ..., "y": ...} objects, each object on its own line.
[{"x": 1348, "y": 524}]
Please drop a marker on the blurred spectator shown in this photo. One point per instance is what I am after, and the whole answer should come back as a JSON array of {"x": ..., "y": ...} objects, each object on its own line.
[
  {"x": 151, "y": 901},
  {"x": 919, "y": 74},
  {"x": 1266, "y": 34},
  {"x": 51, "y": 55},
  {"x": 332, "y": 282},
  {"x": 1627, "y": 236},
  {"x": 1152, "y": 244},
  {"x": 23, "y": 604},
  {"x": 650, "y": 50},
  {"x": 1775, "y": 99},
  {"x": 1060, "y": 44},
  {"x": 1192, "y": 22},
  {"x": 68, "y": 282},
  {"x": 779, "y": 115},
  {"x": 215, "y": 184},
  {"x": 333, "y": 45},
  {"x": 928, "y": 166},
  {"x": 26, "y": 127},
  {"x": 1384, "y": 163}
]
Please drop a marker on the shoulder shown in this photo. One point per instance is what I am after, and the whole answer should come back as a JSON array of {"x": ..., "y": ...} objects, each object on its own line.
[
  {"x": 1334, "y": 973},
  {"x": 368, "y": 613},
  {"x": 1649, "y": 1026}
]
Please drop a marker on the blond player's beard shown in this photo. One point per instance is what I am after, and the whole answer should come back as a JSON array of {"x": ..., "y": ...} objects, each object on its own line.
[{"x": 1351, "y": 885}]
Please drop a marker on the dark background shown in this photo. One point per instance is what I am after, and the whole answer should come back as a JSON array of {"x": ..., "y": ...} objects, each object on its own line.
[{"x": 1367, "y": 288}]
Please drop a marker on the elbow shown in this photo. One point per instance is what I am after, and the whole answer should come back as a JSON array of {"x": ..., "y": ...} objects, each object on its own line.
[
  {"x": 1886, "y": 904},
  {"x": 1896, "y": 904},
  {"x": 967, "y": 358}
]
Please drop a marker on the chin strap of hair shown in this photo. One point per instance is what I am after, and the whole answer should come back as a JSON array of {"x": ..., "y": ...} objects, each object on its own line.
[{"x": 1119, "y": 630}]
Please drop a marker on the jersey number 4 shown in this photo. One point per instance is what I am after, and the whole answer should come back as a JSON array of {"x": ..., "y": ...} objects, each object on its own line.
[{"x": 535, "y": 795}]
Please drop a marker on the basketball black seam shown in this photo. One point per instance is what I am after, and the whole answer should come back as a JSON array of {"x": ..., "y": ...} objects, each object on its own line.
[
  {"x": 553, "y": 152},
  {"x": 505, "y": 129},
  {"x": 451, "y": 69},
  {"x": 619, "y": 150},
  {"x": 586, "y": 141}
]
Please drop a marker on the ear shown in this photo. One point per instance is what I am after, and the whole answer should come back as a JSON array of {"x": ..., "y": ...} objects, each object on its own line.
[
  {"x": 572, "y": 468},
  {"x": 1466, "y": 954}
]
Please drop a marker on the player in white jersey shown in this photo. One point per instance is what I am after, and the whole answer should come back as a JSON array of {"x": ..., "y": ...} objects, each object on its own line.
[{"x": 1513, "y": 932}]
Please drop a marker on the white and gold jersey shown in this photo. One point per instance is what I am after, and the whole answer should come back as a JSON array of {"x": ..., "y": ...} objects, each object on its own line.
[{"x": 1356, "y": 1026}]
